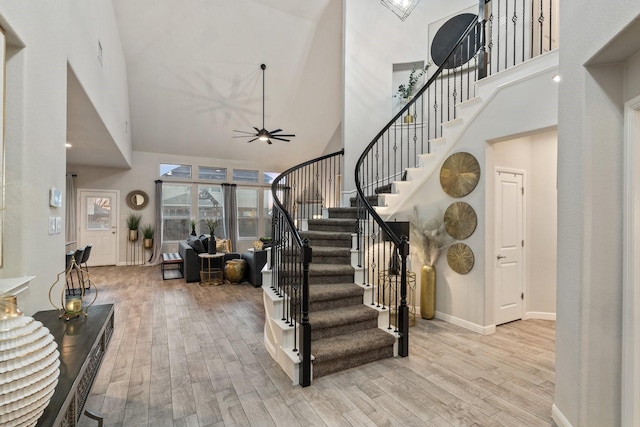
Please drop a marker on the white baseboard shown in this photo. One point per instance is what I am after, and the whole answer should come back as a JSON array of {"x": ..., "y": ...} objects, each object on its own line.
[
  {"x": 539, "y": 315},
  {"x": 559, "y": 418},
  {"x": 483, "y": 330}
]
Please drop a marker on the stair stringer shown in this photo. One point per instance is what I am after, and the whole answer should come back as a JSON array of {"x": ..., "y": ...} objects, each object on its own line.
[
  {"x": 456, "y": 131},
  {"x": 278, "y": 334}
]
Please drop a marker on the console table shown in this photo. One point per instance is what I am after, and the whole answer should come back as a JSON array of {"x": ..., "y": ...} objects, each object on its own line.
[{"x": 82, "y": 342}]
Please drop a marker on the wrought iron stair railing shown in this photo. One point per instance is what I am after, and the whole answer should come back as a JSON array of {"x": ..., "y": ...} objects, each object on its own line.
[
  {"x": 499, "y": 38},
  {"x": 300, "y": 194}
]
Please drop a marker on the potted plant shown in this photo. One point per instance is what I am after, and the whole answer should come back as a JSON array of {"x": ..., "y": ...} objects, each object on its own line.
[
  {"x": 266, "y": 242},
  {"x": 147, "y": 233},
  {"x": 193, "y": 223},
  {"x": 431, "y": 238},
  {"x": 406, "y": 91},
  {"x": 133, "y": 223},
  {"x": 211, "y": 224}
]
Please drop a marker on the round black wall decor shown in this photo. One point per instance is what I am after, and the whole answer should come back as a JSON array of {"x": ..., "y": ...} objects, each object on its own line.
[{"x": 446, "y": 38}]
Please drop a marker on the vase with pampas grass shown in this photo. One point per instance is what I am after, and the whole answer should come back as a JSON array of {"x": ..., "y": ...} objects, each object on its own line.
[{"x": 431, "y": 239}]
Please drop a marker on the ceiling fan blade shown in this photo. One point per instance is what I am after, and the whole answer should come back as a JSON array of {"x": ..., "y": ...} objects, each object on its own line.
[
  {"x": 275, "y": 131},
  {"x": 243, "y": 136},
  {"x": 251, "y": 140},
  {"x": 242, "y": 131},
  {"x": 257, "y": 130},
  {"x": 280, "y": 139},
  {"x": 286, "y": 134}
]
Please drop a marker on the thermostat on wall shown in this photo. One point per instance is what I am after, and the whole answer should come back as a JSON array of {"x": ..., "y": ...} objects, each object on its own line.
[{"x": 55, "y": 197}]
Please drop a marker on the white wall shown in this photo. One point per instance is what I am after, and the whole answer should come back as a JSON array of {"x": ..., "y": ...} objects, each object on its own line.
[
  {"x": 105, "y": 84},
  {"x": 35, "y": 122},
  {"x": 590, "y": 182}
]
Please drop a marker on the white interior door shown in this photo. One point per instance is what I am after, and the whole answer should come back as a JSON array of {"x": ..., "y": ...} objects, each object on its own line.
[
  {"x": 99, "y": 225},
  {"x": 509, "y": 277}
]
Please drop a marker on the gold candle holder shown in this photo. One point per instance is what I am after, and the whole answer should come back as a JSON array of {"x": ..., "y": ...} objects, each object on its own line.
[{"x": 72, "y": 305}]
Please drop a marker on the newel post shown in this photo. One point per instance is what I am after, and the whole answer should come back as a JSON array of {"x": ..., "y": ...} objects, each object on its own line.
[
  {"x": 305, "y": 327},
  {"x": 403, "y": 310}
]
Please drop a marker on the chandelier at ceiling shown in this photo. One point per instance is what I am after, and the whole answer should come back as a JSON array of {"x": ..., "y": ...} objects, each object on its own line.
[{"x": 402, "y": 8}]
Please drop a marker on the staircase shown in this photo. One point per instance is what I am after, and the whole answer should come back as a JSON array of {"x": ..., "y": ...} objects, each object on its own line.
[{"x": 345, "y": 332}]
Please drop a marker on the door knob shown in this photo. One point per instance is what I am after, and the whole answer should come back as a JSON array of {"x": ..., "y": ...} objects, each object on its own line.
[{"x": 501, "y": 256}]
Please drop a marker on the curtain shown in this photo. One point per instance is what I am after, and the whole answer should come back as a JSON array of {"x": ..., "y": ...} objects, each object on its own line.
[
  {"x": 70, "y": 210},
  {"x": 230, "y": 214},
  {"x": 156, "y": 258}
]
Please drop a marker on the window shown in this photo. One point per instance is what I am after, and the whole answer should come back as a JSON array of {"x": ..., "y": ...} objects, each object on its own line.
[
  {"x": 98, "y": 213},
  {"x": 176, "y": 211},
  {"x": 210, "y": 173},
  {"x": 242, "y": 175},
  {"x": 210, "y": 206},
  {"x": 269, "y": 177},
  {"x": 175, "y": 171},
  {"x": 182, "y": 202},
  {"x": 267, "y": 212},
  {"x": 247, "y": 199}
]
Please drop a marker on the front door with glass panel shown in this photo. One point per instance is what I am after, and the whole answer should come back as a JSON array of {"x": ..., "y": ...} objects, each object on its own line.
[{"x": 99, "y": 225}]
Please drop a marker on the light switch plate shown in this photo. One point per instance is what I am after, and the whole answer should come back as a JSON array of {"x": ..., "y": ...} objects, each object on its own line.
[{"x": 52, "y": 225}]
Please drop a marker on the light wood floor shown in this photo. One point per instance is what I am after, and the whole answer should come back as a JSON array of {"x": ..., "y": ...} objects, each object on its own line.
[{"x": 184, "y": 355}]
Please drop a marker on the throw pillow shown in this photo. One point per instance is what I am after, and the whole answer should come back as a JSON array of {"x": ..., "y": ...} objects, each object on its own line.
[
  {"x": 197, "y": 246},
  {"x": 205, "y": 242},
  {"x": 222, "y": 245}
]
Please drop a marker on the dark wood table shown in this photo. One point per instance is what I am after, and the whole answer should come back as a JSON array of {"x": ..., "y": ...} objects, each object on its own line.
[{"x": 82, "y": 342}]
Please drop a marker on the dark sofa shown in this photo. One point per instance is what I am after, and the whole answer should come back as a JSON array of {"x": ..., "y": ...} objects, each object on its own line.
[
  {"x": 255, "y": 262},
  {"x": 191, "y": 262}
]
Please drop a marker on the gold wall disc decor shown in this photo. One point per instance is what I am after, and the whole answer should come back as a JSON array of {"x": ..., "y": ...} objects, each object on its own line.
[
  {"x": 459, "y": 174},
  {"x": 460, "y": 258},
  {"x": 460, "y": 220}
]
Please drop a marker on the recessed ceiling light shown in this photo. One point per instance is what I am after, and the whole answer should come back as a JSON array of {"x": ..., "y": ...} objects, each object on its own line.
[
  {"x": 556, "y": 78},
  {"x": 68, "y": 145}
]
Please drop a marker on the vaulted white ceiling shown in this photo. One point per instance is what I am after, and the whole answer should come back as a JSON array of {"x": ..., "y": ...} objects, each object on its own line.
[{"x": 194, "y": 75}]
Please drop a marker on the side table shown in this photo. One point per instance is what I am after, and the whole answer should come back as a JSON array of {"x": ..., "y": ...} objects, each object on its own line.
[
  {"x": 391, "y": 292},
  {"x": 213, "y": 275}
]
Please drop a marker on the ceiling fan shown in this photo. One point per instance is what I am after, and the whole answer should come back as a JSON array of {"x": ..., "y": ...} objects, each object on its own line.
[{"x": 263, "y": 134}]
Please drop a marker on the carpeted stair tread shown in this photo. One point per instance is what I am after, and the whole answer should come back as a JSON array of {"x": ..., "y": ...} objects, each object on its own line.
[
  {"x": 383, "y": 189},
  {"x": 348, "y": 345},
  {"x": 330, "y": 251},
  {"x": 330, "y": 273},
  {"x": 334, "y": 291},
  {"x": 332, "y": 225},
  {"x": 325, "y": 235},
  {"x": 334, "y": 295},
  {"x": 351, "y": 213},
  {"x": 327, "y": 238},
  {"x": 372, "y": 199},
  {"x": 343, "y": 316},
  {"x": 331, "y": 255},
  {"x": 330, "y": 269}
]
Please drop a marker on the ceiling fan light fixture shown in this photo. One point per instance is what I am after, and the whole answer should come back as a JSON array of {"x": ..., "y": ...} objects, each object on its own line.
[{"x": 263, "y": 134}]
